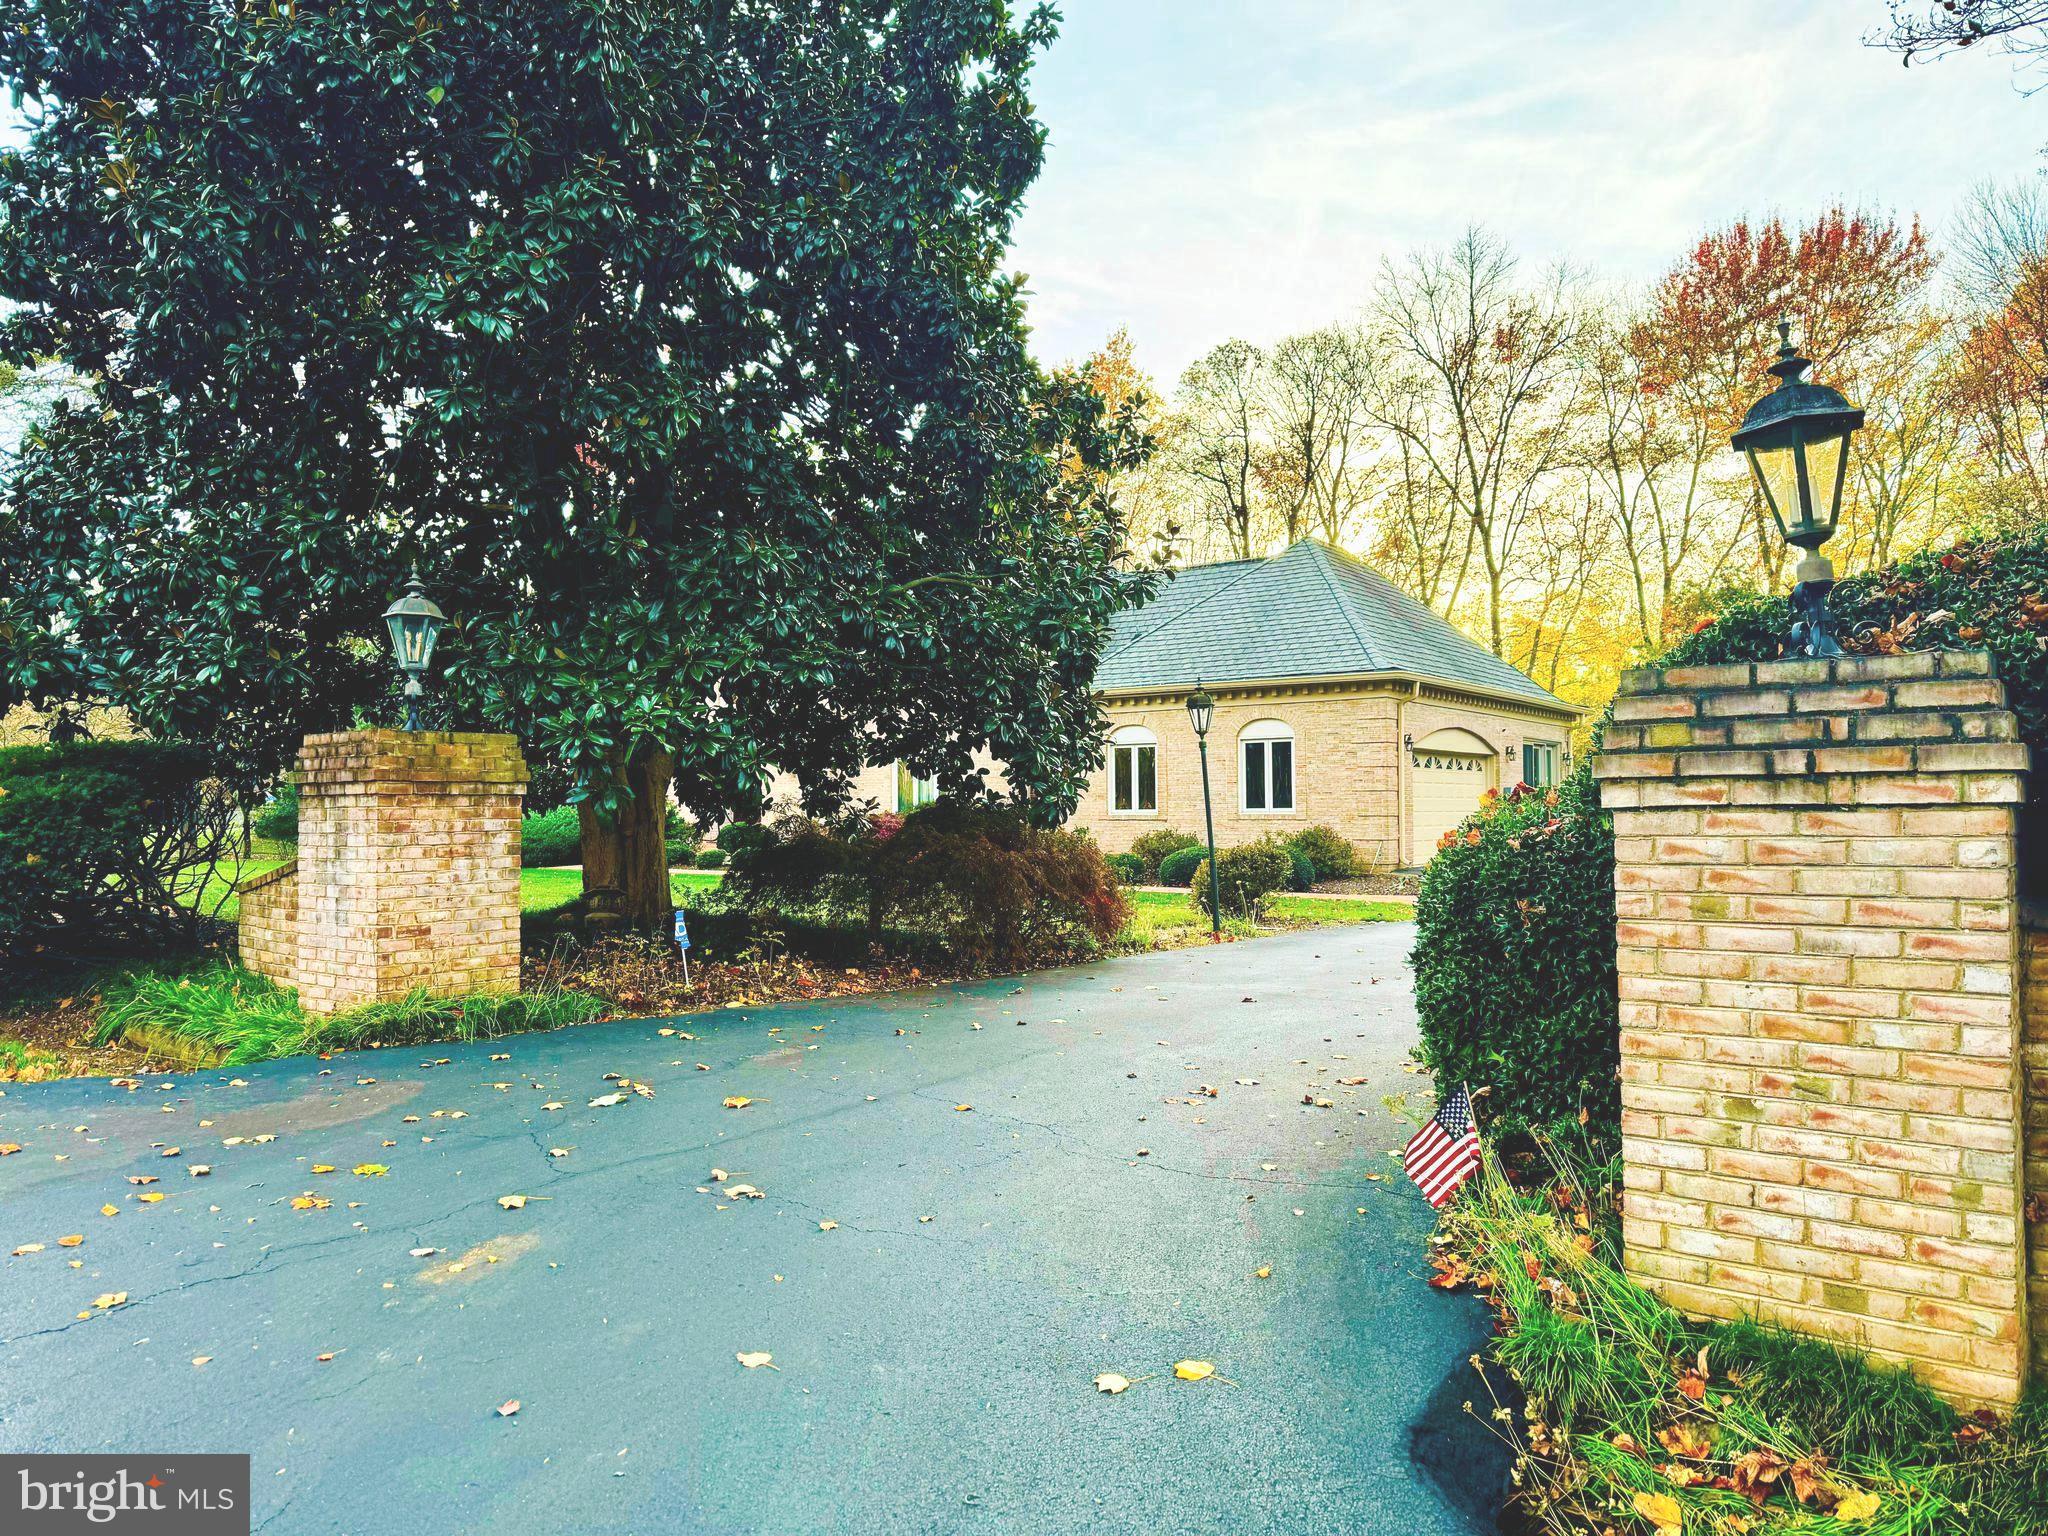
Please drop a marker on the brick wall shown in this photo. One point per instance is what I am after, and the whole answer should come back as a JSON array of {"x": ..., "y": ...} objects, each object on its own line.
[
  {"x": 1349, "y": 767},
  {"x": 267, "y": 930},
  {"x": 2034, "y": 1056},
  {"x": 408, "y": 869},
  {"x": 1817, "y": 933}
]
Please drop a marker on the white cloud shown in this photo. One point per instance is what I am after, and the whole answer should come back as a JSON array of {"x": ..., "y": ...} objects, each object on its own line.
[{"x": 1205, "y": 180}]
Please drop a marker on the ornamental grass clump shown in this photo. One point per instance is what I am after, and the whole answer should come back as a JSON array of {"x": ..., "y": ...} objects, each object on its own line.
[{"x": 1640, "y": 1422}]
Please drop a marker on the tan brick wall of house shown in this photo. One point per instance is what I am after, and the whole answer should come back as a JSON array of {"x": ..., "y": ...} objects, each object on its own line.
[
  {"x": 2034, "y": 1057},
  {"x": 267, "y": 931},
  {"x": 1818, "y": 930},
  {"x": 1350, "y": 769},
  {"x": 408, "y": 869}
]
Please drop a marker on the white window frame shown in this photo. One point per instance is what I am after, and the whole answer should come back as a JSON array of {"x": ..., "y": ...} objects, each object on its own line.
[
  {"x": 1129, "y": 743},
  {"x": 1553, "y": 761},
  {"x": 1260, "y": 737}
]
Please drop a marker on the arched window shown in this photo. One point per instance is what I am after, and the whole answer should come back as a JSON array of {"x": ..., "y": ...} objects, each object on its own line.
[
  {"x": 1265, "y": 766},
  {"x": 1133, "y": 771}
]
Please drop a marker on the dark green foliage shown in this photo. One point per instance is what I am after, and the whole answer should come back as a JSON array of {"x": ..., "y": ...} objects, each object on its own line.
[
  {"x": 1247, "y": 875},
  {"x": 711, "y": 858},
  {"x": 550, "y": 838},
  {"x": 680, "y": 842},
  {"x": 1983, "y": 593},
  {"x": 992, "y": 890},
  {"x": 106, "y": 840},
  {"x": 279, "y": 820},
  {"x": 677, "y": 343},
  {"x": 1153, "y": 847},
  {"x": 1333, "y": 857},
  {"x": 1179, "y": 867},
  {"x": 1301, "y": 871},
  {"x": 1128, "y": 868},
  {"x": 682, "y": 853},
  {"x": 1514, "y": 959},
  {"x": 737, "y": 837}
]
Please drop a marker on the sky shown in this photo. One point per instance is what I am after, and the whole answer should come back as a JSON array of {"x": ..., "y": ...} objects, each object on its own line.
[{"x": 1242, "y": 167}]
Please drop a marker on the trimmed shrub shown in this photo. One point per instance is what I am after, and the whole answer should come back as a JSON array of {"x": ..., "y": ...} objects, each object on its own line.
[
  {"x": 105, "y": 841},
  {"x": 1332, "y": 857},
  {"x": 1153, "y": 847},
  {"x": 682, "y": 854},
  {"x": 1128, "y": 868},
  {"x": 1514, "y": 959},
  {"x": 711, "y": 858},
  {"x": 550, "y": 837},
  {"x": 1247, "y": 874},
  {"x": 279, "y": 820},
  {"x": 736, "y": 837},
  {"x": 1179, "y": 867},
  {"x": 1301, "y": 873}
]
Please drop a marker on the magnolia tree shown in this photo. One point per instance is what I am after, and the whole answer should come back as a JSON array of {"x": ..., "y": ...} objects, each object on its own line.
[{"x": 672, "y": 342}]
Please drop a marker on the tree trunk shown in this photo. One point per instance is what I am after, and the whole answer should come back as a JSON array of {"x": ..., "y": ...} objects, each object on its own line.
[{"x": 627, "y": 858}]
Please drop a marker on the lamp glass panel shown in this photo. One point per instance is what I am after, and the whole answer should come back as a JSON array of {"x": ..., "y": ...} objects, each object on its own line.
[
  {"x": 1825, "y": 462},
  {"x": 1777, "y": 471}
]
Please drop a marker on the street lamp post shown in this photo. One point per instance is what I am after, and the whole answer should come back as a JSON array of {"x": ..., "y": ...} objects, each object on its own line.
[
  {"x": 1202, "y": 715},
  {"x": 414, "y": 623},
  {"x": 1797, "y": 442}
]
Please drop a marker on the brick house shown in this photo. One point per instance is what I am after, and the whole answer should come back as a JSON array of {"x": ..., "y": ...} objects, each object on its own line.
[{"x": 1339, "y": 700}]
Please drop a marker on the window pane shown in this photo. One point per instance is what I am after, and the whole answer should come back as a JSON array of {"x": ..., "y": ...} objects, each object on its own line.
[
  {"x": 1255, "y": 775},
  {"x": 1529, "y": 763},
  {"x": 1148, "y": 778},
  {"x": 1283, "y": 774},
  {"x": 1120, "y": 769}
]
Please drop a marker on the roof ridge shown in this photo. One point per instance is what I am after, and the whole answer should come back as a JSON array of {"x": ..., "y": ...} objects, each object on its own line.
[
  {"x": 1322, "y": 564},
  {"x": 1254, "y": 562}
]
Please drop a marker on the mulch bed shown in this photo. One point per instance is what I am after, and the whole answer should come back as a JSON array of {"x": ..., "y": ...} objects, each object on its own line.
[{"x": 1399, "y": 882}]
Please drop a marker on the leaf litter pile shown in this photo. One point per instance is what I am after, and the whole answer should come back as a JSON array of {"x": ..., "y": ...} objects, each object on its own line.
[{"x": 1637, "y": 1422}]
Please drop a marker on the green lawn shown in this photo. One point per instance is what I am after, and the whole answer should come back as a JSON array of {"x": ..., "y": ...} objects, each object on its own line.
[
  {"x": 1168, "y": 917},
  {"x": 540, "y": 890}
]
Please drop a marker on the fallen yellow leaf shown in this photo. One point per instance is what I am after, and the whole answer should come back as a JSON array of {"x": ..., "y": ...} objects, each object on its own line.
[
  {"x": 1194, "y": 1370},
  {"x": 110, "y": 1210},
  {"x": 371, "y": 1170},
  {"x": 109, "y": 1300},
  {"x": 1109, "y": 1381},
  {"x": 1263, "y": 1272},
  {"x": 754, "y": 1359},
  {"x": 72, "y": 1241},
  {"x": 1860, "y": 1507},
  {"x": 150, "y": 1199},
  {"x": 738, "y": 1101},
  {"x": 201, "y": 1359},
  {"x": 1662, "y": 1511},
  {"x": 322, "y": 1168},
  {"x": 828, "y": 1225},
  {"x": 28, "y": 1248}
]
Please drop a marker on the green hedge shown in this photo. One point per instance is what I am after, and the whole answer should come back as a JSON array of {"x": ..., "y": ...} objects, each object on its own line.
[
  {"x": 1332, "y": 857},
  {"x": 1152, "y": 847},
  {"x": 549, "y": 838},
  {"x": 1514, "y": 959},
  {"x": 1179, "y": 867},
  {"x": 104, "y": 841},
  {"x": 1247, "y": 875},
  {"x": 1128, "y": 868}
]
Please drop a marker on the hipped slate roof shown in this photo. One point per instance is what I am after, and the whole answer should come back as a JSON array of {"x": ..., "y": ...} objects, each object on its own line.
[{"x": 1310, "y": 611}]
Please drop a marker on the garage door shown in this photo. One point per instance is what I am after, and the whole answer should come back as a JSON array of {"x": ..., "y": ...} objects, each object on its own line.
[{"x": 1445, "y": 785}]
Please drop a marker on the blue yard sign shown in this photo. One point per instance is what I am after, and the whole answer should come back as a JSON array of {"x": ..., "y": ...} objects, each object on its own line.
[{"x": 682, "y": 929}]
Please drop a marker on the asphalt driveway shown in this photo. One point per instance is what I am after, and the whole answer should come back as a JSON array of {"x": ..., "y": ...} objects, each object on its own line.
[{"x": 973, "y": 1200}]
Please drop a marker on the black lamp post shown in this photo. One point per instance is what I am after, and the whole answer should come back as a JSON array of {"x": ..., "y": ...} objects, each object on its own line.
[
  {"x": 414, "y": 623},
  {"x": 1202, "y": 715},
  {"x": 1797, "y": 441}
]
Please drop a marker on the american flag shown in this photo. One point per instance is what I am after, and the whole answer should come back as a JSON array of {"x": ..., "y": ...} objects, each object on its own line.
[{"x": 1444, "y": 1153}]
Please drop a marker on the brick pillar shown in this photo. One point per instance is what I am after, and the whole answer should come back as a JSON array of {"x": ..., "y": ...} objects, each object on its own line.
[
  {"x": 1817, "y": 933},
  {"x": 2034, "y": 1053},
  {"x": 408, "y": 870}
]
